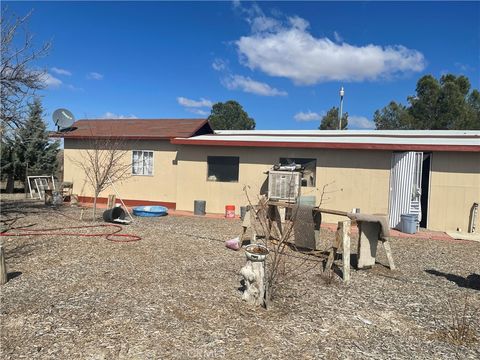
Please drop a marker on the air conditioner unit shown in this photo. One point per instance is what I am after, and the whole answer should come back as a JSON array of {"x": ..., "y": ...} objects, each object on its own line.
[{"x": 284, "y": 185}]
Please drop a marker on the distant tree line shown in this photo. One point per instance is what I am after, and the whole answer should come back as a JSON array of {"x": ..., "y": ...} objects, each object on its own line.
[
  {"x": 25, "y": 146},
  {"x": 445, "y": 104},
  {"x": 28, "y": 150}
]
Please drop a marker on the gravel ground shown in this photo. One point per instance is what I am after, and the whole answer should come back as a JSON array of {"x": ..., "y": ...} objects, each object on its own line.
[{"x": 175, "y": 295}]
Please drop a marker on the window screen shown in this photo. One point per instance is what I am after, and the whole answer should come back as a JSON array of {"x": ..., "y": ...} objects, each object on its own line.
[
  {"x": 142, "y": 162},
  {"x": 223, "y": 168},
  {"x": 310, "y": 165}
]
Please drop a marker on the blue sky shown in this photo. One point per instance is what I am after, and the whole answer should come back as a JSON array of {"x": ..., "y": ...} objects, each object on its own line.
[{"x": 283, "y": 61}]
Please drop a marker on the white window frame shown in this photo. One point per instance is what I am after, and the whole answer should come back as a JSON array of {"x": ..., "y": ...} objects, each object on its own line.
[{"x": 143, "y": 169}]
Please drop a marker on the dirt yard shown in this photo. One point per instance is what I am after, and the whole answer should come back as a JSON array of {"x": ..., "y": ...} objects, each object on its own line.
[{"x": 175, "y": 295}]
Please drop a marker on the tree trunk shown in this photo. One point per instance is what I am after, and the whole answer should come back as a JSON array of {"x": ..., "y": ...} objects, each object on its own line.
[
  {"x": 3, "y": 268},
  {"x": 10, "y": 184},
  {"x": 95, "y": 207},
  {"x": 254, "y": 278}
]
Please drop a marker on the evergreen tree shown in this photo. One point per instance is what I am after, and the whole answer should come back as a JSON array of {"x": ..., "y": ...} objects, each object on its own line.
[
  {"x": 330, "y": 120},
  {"x": 230, "y": 116},
  {"x": 394, "y": 116},
  {"x": 423, "y": 106},
  {"x": 7, "y": 162},
  {"x": 444, "y": 104},
  {"x": 33, "y": 149},
  {"x": 474, "y": 108}
]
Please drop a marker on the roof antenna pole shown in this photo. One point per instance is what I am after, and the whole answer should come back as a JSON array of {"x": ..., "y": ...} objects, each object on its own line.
[{"x": 342, "y": 92}]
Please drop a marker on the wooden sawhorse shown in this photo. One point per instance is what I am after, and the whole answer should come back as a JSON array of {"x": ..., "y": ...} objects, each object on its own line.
[{"x": 368, "y": 238}]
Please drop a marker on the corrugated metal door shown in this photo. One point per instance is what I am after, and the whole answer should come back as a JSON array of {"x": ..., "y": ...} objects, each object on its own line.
[
  {"x": 405, "y": 185},
  {"x": 415, "y": 207}
]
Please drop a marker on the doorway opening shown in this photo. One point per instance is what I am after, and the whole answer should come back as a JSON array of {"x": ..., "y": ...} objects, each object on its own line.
[{"x": 427, "y": 159}]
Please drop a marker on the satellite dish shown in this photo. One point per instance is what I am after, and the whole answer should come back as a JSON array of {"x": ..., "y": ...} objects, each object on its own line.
[{"x": 63, "y": 118}]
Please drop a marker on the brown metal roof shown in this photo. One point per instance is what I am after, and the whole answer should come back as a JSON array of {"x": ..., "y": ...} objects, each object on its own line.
[{"x": 135, "y": 129}]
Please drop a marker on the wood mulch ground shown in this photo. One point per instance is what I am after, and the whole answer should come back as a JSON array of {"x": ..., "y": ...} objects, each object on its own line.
[{"x": 175, "y": 295}]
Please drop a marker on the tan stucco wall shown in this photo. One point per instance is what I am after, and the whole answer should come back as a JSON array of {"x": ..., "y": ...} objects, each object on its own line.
[
  {"x": 352, "y": 178},
  {"x": 454, "y": 187},
  {"x": 161, "y": 186}
]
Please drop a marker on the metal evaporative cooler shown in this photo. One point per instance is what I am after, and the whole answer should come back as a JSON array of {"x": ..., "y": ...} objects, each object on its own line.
[{"x": 284, "y": 185}]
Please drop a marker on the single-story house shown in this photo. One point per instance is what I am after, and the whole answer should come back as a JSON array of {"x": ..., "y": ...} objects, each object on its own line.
[{"x": 174, "y": 162}]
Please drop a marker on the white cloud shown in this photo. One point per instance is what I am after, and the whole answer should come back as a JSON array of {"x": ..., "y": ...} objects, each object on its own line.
[
  {"x": 51, "y": 81},
  {"x": 338, "y": 38},
  {"x": 298, "y": 23},
  {"x": 194, "y": 103},
  {"x": 74, "y": 88},
  {"x": 198, "y": 111},
  {"x": 291, "y": 51},
  {"x": 246, "y": 84},
  {"x": 94, "y": 76},
  {"x": 220, "y": 65},
  {"x": 464, "y": 67},
  {"x": 111, "y": 115},
  {"x": 308, "y": 116},
  {"x": 194, "y": 106},
  {"x": 360, "y": 122},
  {"x": 60, "y": 71},
  {"x": 264, "y": 23}
]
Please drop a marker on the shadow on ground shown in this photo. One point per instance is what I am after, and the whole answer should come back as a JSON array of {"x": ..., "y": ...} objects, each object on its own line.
[
  {"x": 472, "y": 281},
  {"x": 24, "y": 207},
  {"x": 14, "y": 210},
  {"x": 13, "y": 275}
]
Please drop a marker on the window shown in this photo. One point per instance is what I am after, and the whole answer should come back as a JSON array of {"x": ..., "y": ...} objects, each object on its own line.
[
  {"x": 142, "y": 162},
  {"x": 223, "y": 168},
  {"x": 309, "y": 172}
]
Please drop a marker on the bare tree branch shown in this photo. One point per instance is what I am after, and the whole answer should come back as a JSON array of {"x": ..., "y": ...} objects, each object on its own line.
[
  {"x": 103, "y": 163},
  {"x": 19, "y": 80}
]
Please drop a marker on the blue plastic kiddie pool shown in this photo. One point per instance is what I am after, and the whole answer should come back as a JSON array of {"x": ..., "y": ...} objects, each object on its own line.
[{"x": 149, "y": 211}]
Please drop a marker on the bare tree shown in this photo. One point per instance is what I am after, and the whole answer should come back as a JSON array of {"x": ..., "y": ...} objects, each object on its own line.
[
  {"x": 285, "y": 261},
  {"x": 104, "y": 163},
  {"x": 18, "y": 78}
]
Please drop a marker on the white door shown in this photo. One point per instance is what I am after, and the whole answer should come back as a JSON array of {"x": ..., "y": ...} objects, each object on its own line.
[{"x": 405, "y": 186}]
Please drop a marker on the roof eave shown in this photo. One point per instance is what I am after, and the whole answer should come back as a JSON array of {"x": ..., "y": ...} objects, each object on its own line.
[
  {"x": 77, "y": 137},
  {"x": 328, "y": 145}
]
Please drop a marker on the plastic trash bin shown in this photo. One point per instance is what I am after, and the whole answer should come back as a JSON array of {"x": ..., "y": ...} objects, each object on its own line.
[
  {"x": 408, "y": 223},
  {"x": 110, "y": 215},
  {"x": 199, "y": 207},
  {"x": 243, "y": 211}
]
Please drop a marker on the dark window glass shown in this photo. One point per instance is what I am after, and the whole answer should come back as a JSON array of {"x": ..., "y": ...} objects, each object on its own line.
[
  {"x": 310, "y": 165},
  {"x": 223, "y": 168}
]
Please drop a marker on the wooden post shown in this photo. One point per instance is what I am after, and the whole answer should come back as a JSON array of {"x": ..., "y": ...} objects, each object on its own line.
[
  {"x": 344, "y": 227},
  {"x": 388, "y": 251},
  {"x": 111, "y": 201},
  {"x": 333, "y": 252},
  {"x": 3, "y": 268},
  {"x": 48, "y": 197},
  {"x": 74, "y": 200}
]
